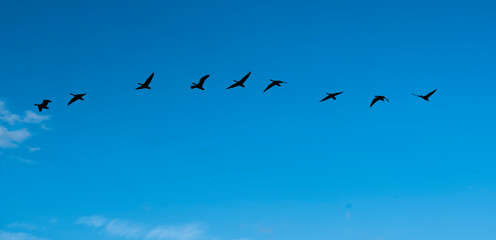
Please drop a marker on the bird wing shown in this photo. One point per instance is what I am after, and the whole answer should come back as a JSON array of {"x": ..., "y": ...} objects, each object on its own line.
[
  {"x": 386, "y": 99},
  {"x": 430, "y": 94},
  {"x": 244, "y": 78},
  {"x": 72, "y": 100},
  {"x": 202, "y": 80},
  {"x": 148, "y": 80},
  {"x": 234, "y": 85},
  {"x": 327, "y": 97},
  {"x": 270, "y": 85},
  {"x": 40, "y": 107},
  {"x": 45, "y": 102},
  {"x": 416, "y": 95},
  {"x": 374, "y": 101},
  {"x": 335, "y": 94}
]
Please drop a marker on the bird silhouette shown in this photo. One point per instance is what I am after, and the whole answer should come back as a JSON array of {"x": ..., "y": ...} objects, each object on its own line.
[
  {"x": 76, "y": 97},
  {"x": 426, "y": 97},
  {"x": 147, "y": 82},
  {"x": 377, "y": 98},
  {"x": 43, "y": 105},
  {"x": 331, "y": 95},
  {"x": 200, "y": 84},
  {"x": 274, "y": 83},
  {"x": 240, "y": 82}
]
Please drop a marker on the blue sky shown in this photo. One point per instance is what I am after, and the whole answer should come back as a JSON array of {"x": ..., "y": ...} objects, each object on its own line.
[{"x": 173, "y": 163}]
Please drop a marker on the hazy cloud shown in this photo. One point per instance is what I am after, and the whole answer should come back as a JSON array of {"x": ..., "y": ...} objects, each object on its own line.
[
  {"x": 4, "y": 235},
  {"x": 7, "y": 116},
  {"x": 185, "y": 232},
  {"x": 121, "y": 228},
  {"x": 10, "y": 139},
  {"x": 25, "y": 226},
  {"x": 126, "y": 229},
  {"x": 32, "y": 117},
  {"x": 92, "y": 221},
  {"x": 348, "y": 214}
]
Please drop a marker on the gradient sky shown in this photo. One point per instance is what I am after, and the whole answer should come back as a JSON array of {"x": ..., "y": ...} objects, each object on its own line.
[{"x": 173, "y": 163}]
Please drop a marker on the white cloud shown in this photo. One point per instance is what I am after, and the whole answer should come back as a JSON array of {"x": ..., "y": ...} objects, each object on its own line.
[
  {"x": 26, "y": 226},
  {"x": 184, "y": 232},
  {"x": 4, "y": 235},
  {"x": 34, "y": 149},
  {"x": 7, "y": 116},
  {"x": 32, "y": 117},
  {"x": 29, "y": 116},
  {"x": 92, "y": 221},
  {"x": 10, "y": 139},
  {"x": 125, "y": 229},
  {"x": 119, "y": 228},
  {"x": 24, "y": 160}
]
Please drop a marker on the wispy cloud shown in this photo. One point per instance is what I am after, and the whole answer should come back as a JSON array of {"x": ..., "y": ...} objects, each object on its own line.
[
  {"x": 12, "y": 118},
  {"x": 185, "y": 232},
  {"x": 119, "y": 228},
  {"x": 10, "y": 139},
  {"x": 92, "y": 221},
  {"x": 32, "y": 117},
  {"x": 4, "y": 235},
  {"x": 7, "y": 116},
  {"x": 34, "y": 149},
  {"x": 126, "y": 229},
  {"x": 22, "y": 225}
]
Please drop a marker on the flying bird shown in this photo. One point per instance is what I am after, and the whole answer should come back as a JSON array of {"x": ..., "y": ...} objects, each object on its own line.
[
  {"x": 331, "y": 95},
  {"x": 43, "y": 105},
  {"x": 147, "y": 82},
  {"x": 377, "y": 98},
  {"x": 200, "y": 84},
  {"x": 240, "y": 82},
  {"x": 76, "y": 97},
  {"x": 274, "y": 83},
  {"x": 426, "y": 97}
]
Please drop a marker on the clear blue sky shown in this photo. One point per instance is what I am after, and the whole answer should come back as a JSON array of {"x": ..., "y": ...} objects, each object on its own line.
[{"x": 173, "y": 163}]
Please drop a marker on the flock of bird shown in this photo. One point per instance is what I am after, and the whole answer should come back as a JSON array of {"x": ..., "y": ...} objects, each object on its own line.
[{"x": 240, "y": 83}]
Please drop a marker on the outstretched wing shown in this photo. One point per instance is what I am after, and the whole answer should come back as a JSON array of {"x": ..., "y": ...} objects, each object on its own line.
[
  {"x": 374, "y": 101},
  {"x": 148, "y": 80},
  {"x": 39, "y": 107},
  {"x": 45, "y": 102},
  {"x": 202, "y": 80},
  {"x": 430, "y": 94},
  {"x": 244, "y": 78},
  {"x": 234, "y": 85},
  {"x": 327, "y": 97},
  {"x": 72, "y": 100},
  {"x": 270, "y": 85},
  {"x": 335, "y": 94},
  {"x": 386, "y": 99}
]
